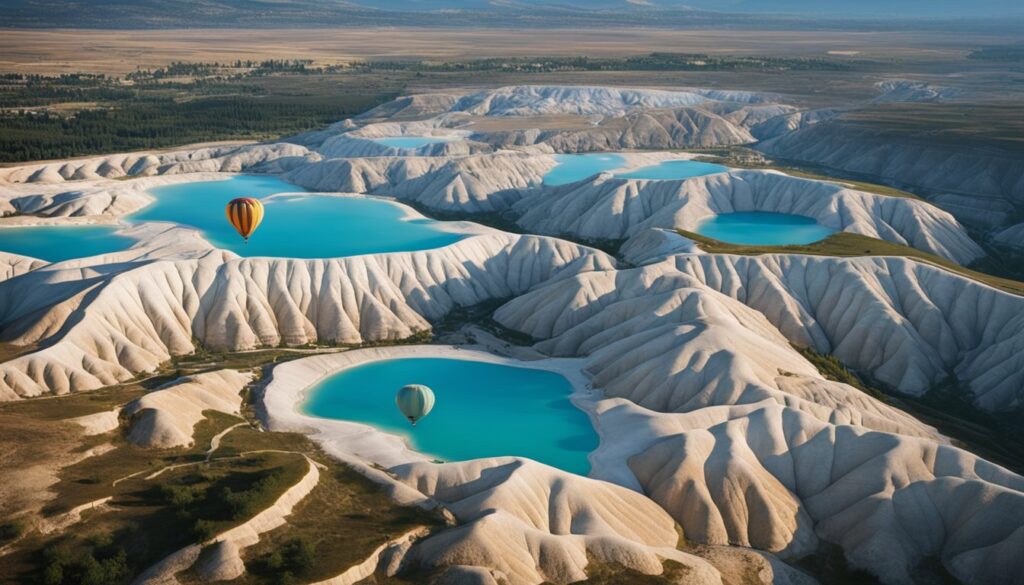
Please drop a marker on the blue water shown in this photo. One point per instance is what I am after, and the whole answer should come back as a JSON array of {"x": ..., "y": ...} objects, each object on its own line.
[
  {"x": 413, "y": 142},
  {"x": 763, "y": 229},
  {"x": 482, "y": 409},
  {"x": 675, "y": 169},
  {"x": 58, "y": 243},
  {"x": 299, "y": 226},
  {"x": 576, "y": 167}
]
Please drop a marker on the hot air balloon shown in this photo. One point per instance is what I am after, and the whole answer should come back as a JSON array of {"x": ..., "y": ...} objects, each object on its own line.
[
  {"x": 415, "y": 401},
  {"x": 245, "y": 213}
]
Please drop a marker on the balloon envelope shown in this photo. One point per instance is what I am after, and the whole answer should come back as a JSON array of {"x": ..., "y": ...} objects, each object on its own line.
[
  {"x": 245, "y": 213},
  {"x": 415, "y": 401}
]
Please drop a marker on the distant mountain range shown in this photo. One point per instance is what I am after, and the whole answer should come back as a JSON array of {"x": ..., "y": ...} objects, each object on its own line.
[
  {"x": 491, "y": 13},
  {"x": 834, "y": 8}
]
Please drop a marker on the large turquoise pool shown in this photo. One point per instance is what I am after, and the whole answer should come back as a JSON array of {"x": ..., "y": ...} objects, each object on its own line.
[
  {"x": 482, "y": 409},
  {"x": 294, "y": 226},
  {"x": 413, "y": 142},
  {"x": 763, "y": 229},
  {"x": 576, "y": 167},
  {"x": 675, "y": 169}
]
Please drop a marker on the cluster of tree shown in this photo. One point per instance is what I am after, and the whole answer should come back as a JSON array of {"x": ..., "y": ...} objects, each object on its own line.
[
  {"x": 98, "y": 562},
  {"x": 164, "y": 122},
  {"x": 288, "y": 562},
  {"x": 63, "y": 78},
  {"x": 238, "y": 68},
  {"x": 651, "y": 62},
  {"x": 206, "y": 502}
]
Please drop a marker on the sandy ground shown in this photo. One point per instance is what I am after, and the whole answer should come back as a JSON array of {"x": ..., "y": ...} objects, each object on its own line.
[{"x": 121, "y": 51}]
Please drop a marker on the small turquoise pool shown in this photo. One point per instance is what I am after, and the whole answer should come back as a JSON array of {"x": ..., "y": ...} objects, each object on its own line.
[
  {"x": 294, "y": 226},
  {"x": 763, "y": 229},
  {"x": 59, "y": 243},
  {"x": 674, "y": 169},
  {"x": 482, "y": 409},
  {"x": 576, "y": 167},
  {"x": 414, "y": 142}
]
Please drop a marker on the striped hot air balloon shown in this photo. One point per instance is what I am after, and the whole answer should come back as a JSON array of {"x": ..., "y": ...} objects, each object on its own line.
[
  {"x": 415, "y": 401},
  {"x": 245, "y": 213}
]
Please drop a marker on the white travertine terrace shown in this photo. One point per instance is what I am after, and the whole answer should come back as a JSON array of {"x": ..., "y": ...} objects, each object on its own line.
[{"x": 708, "y": 415}]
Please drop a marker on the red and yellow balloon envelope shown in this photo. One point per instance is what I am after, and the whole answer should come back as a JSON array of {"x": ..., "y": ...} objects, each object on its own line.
[{"x": 245, "y": 213}]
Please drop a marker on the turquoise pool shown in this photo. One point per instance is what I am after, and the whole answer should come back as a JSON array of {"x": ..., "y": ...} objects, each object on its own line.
[
  {"x": 413, "y": 142},
  {"x": 482, "y": 409},
  {"x": 294, "y": 226},
  {"x": 59, "y": 243},
  {"x": 674, "y": 169},
  {"x": 763, "y": 229},
  {"x": 576, "y": 167}
]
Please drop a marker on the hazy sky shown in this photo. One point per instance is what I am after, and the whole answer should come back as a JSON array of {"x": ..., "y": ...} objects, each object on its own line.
[{"x": 923, "y": 8}]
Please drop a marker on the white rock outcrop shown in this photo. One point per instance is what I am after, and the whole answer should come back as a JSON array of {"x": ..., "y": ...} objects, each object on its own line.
[
  {"x": 531, "y": 100},
  {"x": 907, "y": 160},
  {"x": 12, "y": 265},
  {"x": 235, "y": 158},
  {"x": 906, "y": 323},
  {"x": 525, "y": 523},
  {"x": 738, "y": 437},
  {"x": 166, "y": 417},
  {"x": 103, "y": 325}
]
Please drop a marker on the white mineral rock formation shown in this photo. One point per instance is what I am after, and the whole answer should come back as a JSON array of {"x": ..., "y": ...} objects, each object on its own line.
[
  {"x": 739, "y": 438},
  {"x": 526, "y": 523},
  {"x": 607, "y": 207},
  {"x": 105, "y": 326},
  {"x": 166, "y": 417},
  {"x": 529, "y": 100},
  {"x": 708, "y": 415},
  {"x": 91, "y": 200},
  {"x": 906, "y": 323},
  {"x": 273, "y": 157},
  {"x": 1011, "y": 238},
  {"x": 848, "y": 146},
  {"x": 12, "y": 265},
  {"x": 909, "y": 90}
]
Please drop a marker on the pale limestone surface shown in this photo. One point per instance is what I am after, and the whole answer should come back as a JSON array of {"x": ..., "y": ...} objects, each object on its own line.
[
  {"x": 166, "y": 417},
  {"x": 12, "y": 265},
  {"x": 907, "y": 323},
  {"x": 737, "y": 436},
  {"x": 106, "y": 323},
  {"x": 990, "y": 177},
  {"x": 235, "y": 158},
  {"x": 684, "y": 365}
]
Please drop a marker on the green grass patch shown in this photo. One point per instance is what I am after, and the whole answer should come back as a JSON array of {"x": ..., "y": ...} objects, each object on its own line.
[
  {"x": 93, "y": 478},
  {"x": 148, "y": 520},
  {"x": 832, "y": 369},
  {"x": 846, "y": 245},
  {"x": 853, "y": 184},
  {"x": 603, "y": 573},
  {"x": 338, "y": 525}
]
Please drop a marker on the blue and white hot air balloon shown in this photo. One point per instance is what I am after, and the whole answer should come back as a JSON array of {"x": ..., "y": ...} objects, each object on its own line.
[{"x": 415, "y": 401}]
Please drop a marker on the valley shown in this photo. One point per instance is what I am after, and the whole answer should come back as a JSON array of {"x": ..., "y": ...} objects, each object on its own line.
[{"x": 721, "y": 313}]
